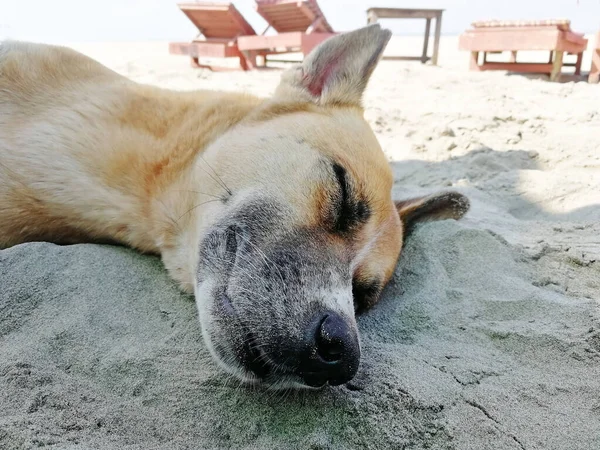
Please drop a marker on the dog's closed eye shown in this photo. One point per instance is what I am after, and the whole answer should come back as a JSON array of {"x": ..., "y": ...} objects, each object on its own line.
[{"x": 349, "y": 210}]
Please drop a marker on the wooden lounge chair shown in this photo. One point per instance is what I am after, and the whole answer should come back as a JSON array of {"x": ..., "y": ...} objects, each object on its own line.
[
  {"x": 220, "y": 24},
  {"x": 300, "y": 25},
  {"x": 554, "y": 36},
  {"x": 595, "y": 71}
]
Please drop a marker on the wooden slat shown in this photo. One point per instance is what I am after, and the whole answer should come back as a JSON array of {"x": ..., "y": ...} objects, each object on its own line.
[
  {"x": 291, "y": 19},
  {"x": 406, "y": 58},
  {"x": 291, "y": 23},
  {"x": 287, "y": 17},
  {"x": 199, "y": 49},
  {"x": 310, "y": 41},
  {"x": 280, "y": 14},
  {"x": 204, "y": 6},
  {"x": 521, "y": 38},
  {"x": 307, "y": 12},
  {"x": 216, "y": 19},
  {"x": 284, "y": 40},
  {"x": 404, "y": 13},
  {"x": 226, "y": 41},
  {"x": 517, "y": 39},
  {"x": 517, "y": 67}
]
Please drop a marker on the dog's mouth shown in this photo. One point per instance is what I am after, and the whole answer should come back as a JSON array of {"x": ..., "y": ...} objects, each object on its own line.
[
  {"x": 252, "y": 357},
  {"x": 256, "y": 360}
]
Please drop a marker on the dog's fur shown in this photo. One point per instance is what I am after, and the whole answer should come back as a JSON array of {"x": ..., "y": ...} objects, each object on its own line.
[{"x": 269, "y": 209}]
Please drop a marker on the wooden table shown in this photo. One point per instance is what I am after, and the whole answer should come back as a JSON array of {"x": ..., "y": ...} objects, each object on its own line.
[{"x": 374, "y": 14}]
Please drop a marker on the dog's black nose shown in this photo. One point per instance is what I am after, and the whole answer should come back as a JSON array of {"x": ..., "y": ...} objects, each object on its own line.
[{"x": 334, "y": 352}]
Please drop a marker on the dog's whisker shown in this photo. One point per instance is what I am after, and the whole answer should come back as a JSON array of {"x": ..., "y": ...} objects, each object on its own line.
[
  {"x": 267, "y": 260},
  {"x": 199, "y": 192},
  {"x": 196, "y": 206},
  {"x": 168, "y": 214},
  {"x": 218, "y": 180}
]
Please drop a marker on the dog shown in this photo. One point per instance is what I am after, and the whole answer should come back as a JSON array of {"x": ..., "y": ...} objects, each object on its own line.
[{"x": 276, "y": 213}]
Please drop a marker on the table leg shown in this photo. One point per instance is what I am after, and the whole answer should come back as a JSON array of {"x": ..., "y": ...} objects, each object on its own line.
[
  {"x": 424, "y": 57},
  {"x": 436, "y": 42}
]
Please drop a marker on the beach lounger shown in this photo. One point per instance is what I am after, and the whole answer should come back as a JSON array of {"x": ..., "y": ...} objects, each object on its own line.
[
  {"x": 595, "y": 71},
  {"x": 554, "y": 36},
  {"x": 300, "y": 26},
  {"x": 220, "y": 24}
]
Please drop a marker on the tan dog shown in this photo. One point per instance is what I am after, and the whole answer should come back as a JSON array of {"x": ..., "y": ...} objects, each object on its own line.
[{"x": 276, "y": 212}]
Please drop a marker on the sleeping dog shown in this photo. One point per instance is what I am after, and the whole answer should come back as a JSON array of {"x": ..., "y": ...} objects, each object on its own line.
[{"x": 277, "y": 213}]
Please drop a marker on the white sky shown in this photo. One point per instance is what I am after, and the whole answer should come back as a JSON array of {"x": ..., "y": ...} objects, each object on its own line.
[{"x": 143, "y": 20}]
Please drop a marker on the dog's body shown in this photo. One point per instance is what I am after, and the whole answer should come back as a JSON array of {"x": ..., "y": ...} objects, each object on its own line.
[
  {"x": 87, "y": 155},
  {"x": 276, "y": 212}
]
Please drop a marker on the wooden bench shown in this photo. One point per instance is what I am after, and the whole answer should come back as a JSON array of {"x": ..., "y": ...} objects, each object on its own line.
[
  {"x": 554, "y": 36},
  {"x": 374, "y": 14}
]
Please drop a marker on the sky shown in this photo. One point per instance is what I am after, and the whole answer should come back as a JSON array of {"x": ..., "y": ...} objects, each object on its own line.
[{"x": 57, "y": 21}]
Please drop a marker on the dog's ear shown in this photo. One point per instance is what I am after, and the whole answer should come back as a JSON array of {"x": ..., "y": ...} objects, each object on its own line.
[
  {"x": 445, "y": 205},
  {"x": 336, "y": 71}
]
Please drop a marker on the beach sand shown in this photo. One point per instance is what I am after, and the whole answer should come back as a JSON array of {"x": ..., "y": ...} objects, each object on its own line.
[{"x": 488, "y": 336}]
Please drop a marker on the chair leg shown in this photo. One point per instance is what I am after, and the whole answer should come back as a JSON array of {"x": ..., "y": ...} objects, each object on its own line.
[
  {"x": 595, "y": 70},
  {"x": 557, "y": 66},
  {"x": 578, "y": 63},
  {"x": 194, "y": 62},
  {"x": 513, "y": 57},
  {"x": 248, "y": 59},
  {"x": 474, "y": 61}
]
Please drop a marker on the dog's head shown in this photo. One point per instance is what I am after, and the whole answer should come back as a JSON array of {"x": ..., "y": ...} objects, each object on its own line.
[{"x": 308, "y": 232}]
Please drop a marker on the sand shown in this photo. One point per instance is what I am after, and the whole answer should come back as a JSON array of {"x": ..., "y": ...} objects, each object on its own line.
[{"x": 488, "y": 336}]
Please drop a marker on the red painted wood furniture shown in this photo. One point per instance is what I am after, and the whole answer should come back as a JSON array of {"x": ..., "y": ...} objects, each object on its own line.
[
  {"x": 220, "y": 25},
  {"x": 554, "y": 36},
  {"x": 300, "y": 26}
]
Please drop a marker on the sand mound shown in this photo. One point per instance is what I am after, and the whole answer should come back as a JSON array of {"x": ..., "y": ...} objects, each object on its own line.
[{"x": 99, "y": 350}]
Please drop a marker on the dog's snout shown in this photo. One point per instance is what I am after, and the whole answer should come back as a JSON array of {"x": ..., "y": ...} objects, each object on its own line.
[
  {"x": 333, "y": 351},
  {"x": 331, "y": 339}
]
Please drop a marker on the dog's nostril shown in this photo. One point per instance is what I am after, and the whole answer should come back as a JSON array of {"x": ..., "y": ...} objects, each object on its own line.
[
  {"x": 332, "y": 353},
  {"x": 329, "y": 339}
]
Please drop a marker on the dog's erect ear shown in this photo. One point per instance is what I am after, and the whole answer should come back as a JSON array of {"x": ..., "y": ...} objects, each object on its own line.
[
  {"x": 337, "y": 71},
  {"x": 445, "y": 205}
]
